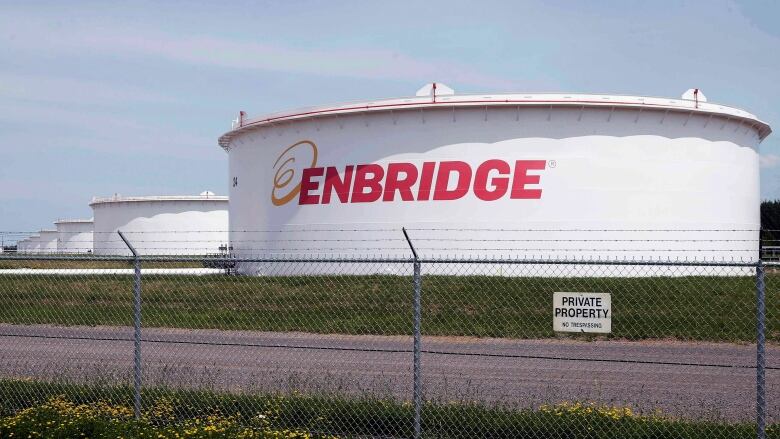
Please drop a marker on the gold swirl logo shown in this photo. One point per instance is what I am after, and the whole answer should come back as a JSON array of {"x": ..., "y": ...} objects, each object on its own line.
[{"x": 286, "y": 167}]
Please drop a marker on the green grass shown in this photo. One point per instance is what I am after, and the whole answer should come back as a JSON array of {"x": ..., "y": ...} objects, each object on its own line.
[
  {"x": 378, "y": 418},
  {"x": 685, "y": 308}
]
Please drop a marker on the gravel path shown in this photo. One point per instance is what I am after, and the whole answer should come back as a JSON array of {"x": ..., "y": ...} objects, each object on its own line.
[{"x": 682, "y": 379}]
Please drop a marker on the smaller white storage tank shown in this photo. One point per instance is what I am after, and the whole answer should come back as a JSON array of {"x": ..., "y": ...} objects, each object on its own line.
[
  {"x": 47, "y": 241},
  {"x": 74, "y": 235},
  {"x": 21, "y": 246},
  {"x": 33, "y": 244},
  {"x": 161, "y": 225}
]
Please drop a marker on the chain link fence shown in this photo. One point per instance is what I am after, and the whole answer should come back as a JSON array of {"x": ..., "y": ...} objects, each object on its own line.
[
  {"x": 772, "y": 331},
  {"x": 414, "y": 346}
]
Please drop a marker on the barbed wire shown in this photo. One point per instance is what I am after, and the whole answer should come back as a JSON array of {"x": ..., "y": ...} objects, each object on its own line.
[
  {"x": 398, "y": 229},
  {"x": 298, "y": 256},
  {"x": 416, "y": 239}
]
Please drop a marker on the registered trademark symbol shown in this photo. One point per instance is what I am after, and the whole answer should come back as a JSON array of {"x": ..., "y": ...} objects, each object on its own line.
[{"x": 552, "y": 164}]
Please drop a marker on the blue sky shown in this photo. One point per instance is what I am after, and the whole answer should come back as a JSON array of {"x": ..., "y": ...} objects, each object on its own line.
[{"x": 130, "y": 97}]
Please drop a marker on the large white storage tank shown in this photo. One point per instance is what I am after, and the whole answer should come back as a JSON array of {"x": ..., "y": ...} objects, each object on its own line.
[
  {"x": 47, "y": 241},
  {"x": 74, "y": 235},
  {"x": 510, "y": 175},
  {"x": 161, "y": 225}
]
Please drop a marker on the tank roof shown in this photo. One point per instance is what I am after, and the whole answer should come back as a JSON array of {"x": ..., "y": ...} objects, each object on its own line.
[
  {"x": 68, "y": 221},
  {"x": 551, "y": 100},
  {"x": 157, "y": 198}
]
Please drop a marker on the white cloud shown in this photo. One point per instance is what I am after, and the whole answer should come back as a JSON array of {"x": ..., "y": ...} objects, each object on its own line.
[
  {"x": 35, "y": 35},
  {"x": 769, "y": 160},
  {"x": 370, "y": 64},
  {"x": 66, "y": 90},
  {"x": 98, "y": 131}
]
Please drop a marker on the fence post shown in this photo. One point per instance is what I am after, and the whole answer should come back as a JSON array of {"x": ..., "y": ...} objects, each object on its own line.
[
  {"x": 417, "y": 372},
  {"x": 136, "y": 328},
  {"x": 760, "y": 351}
]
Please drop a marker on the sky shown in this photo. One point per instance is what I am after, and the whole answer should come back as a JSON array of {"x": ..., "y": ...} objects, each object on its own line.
[{"x": 98, "y": 98}]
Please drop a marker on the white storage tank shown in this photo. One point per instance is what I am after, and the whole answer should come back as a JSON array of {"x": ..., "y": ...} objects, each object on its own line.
[
  {"x": 500, "y": 175},
  {"x": 74, "y": 235},
  {"x": 33, "y": 245},
  {"x": 161, "y": 225},
  {"x": 47, "y": 241},
  {"x": 22, "y": 246}
]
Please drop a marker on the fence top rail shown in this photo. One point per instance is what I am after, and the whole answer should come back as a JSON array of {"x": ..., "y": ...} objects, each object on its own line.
[
  {"x": 203, "y": 259},
  {"x": 615, "y": 262},
  {"x": 389, "y": 260}
]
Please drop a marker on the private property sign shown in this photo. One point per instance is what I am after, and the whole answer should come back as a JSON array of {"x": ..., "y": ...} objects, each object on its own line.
[{"x": 582, "y": 312}]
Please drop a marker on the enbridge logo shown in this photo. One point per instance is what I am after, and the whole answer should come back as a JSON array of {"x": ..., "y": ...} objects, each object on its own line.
[
  {"x": 285, "y": 165},
  {"x": 402, "y": 181}
]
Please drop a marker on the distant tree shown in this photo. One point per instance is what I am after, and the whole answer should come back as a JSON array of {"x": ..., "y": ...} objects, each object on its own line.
[{"x": 770, "y": 222}]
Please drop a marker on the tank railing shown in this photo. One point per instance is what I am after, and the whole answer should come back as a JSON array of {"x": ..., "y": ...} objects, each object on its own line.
[
  {"x": 559, "y": 98},
  {"x": 160, "y": 198}
]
